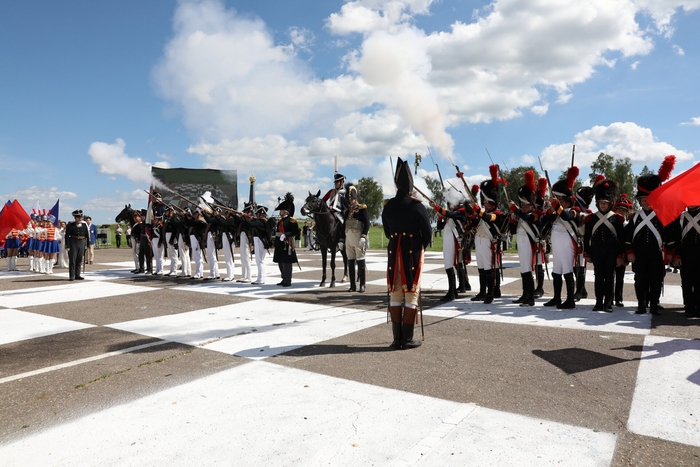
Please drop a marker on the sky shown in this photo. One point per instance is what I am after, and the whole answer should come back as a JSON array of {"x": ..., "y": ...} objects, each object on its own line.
[{"x": 94, "y": 94}]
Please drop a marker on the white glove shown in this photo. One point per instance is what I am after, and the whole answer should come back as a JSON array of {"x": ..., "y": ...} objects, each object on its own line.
[
  {"x": 341, "y": 245},
  {"x": 282, "y": 237},
  {"x": 363, "y": 243}
]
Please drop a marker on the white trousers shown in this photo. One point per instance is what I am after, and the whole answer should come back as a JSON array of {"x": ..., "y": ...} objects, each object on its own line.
[
  {"x": 244, "y": 253},
  {"x": 172, "y": 253},
  {"x": 563, "y": 252},
  {"x": 184, "y": 253},
  {"x": 211, "y": 256},
  {"x": 524, "y": 251},
  {"x": 484, "y": 253},
  {"x": 157, "y": 254},
  {"x": 228, "y": 256},
  {"x": 197, "y": 257},
  {"x": 449, "y": 249},
  {"x": 260, "y": 253}
]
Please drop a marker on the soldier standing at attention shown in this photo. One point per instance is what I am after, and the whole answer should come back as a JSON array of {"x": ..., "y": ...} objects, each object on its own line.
[
  {"x": 287, "y": 229},
  {"x": 356, "y": 229},
  {"x": 604, "y": 243},
  {"x": 77, "y": 234},
  {"x": 646, "y": 243},
  {"x": 407, "y": 227}
]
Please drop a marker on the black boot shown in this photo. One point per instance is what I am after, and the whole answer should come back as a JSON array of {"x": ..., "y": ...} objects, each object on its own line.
[
  {"x": 482, "y": 288},
  {"x": 461, "y": 287},
  {"x": 361, "y": 273},
  {"x": 496, "y": 283},
  {"x": 570, "y": 302},
  {"x": 556, "y": 283},
  {"x": 580, "y": 283},
  {"x": 490, "y": 285},
  {"x": 409, "y": 319},
  {"x": 351, "y": 271},
  {"x": 451, "y": 293},
  {"x": 523, "y": 296},
  {"x": 396, "y": 330},
  {"x": 539, "y": 272},
  {"x": 396, "y": 326},
  {"x": 529, "y": 295},
  {"x": 463, "y": 272}
]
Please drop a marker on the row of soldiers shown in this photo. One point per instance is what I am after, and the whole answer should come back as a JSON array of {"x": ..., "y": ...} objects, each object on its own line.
[
  {"x": 198, "y": 234},
  {"x": 559, "y": 220}
]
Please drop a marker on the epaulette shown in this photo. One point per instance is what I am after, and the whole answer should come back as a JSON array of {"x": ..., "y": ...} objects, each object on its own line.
[
  {"x": 362, "y": 206},
  {"x": 293, "y": 219}
]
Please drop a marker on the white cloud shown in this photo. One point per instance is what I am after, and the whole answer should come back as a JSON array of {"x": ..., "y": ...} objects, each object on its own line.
[
  {"x": 695, "y": 121},
  {"x": 679, "y": 50},
  {"x": 619, "y": 139},
  {"x": 634, "y": 65},
  {"x": 251, "y": 102},
  {"x": 113, "y": 160},
  {"x": 662, "y": 11}
]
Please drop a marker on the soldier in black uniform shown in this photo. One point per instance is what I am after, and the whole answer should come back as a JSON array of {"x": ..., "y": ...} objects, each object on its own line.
[
  {"x": 545, "y": 229},
  {"x": 604, "y": 243},
  {"x": 687, "y": 257},
  {"x": 77, "y": 233},
  {"x": 407, "y": 227},
  {"x": 646, "y": 243},
  {"x": 287, "y": 229},
  {"x": 623, "y": 206}
]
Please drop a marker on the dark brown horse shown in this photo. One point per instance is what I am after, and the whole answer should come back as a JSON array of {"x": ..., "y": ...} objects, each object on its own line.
[{"x": 328, "y": 232}]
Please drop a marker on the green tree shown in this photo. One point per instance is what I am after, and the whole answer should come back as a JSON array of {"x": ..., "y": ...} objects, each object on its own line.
[
  {"x": 515, "y": 178},
  {"x": 619, "y": 170},
  {"x": 370, "y": 193},
  {"x": 437, "y": 193}
]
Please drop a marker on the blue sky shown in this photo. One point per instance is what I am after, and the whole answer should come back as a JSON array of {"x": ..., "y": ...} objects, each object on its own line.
[{"x": 92, "y": 94}]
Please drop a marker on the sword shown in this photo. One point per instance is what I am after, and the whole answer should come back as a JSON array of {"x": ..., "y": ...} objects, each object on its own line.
[{"x": 420, "y": 310}]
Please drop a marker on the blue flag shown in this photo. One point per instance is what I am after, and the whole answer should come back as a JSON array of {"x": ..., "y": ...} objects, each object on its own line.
[{"x": 54, "y": 212}]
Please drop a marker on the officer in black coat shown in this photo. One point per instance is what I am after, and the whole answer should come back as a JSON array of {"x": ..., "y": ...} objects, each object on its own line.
[
  {"x": 407, "y": 227},
  {"x": 77, "y": 234},
  {"x": 287, "y": 229}
]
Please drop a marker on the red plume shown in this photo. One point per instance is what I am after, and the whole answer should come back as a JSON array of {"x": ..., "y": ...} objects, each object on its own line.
[
  {"x": 493, "y": 169},
  {"x": 542, "y": 187},
  {"x": 667, "y": 167},
  {"x": 571, "y": 177},
  {"x": 598, "y": 178},
  {"x": 475, "y": 189},
  {"x": 530, "y": 180}
]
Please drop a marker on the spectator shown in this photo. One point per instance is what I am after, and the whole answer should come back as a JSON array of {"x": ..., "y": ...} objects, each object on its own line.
[
  {"x": 93, "y": 238},
  {"x": 118, "y": 235}
]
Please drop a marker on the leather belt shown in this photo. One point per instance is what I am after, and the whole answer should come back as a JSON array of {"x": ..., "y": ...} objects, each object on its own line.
[{"x": 79, "y": 238}]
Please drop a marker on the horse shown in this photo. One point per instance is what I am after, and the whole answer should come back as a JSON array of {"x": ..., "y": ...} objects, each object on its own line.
[
  {"x": 125, "y": 215},
  {"x": 328, "y": 230}
]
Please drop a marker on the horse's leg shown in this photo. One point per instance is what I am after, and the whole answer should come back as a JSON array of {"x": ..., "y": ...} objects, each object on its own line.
[
  {"x": 333, "y": 268},
  {"x": 323, "y": 267}
]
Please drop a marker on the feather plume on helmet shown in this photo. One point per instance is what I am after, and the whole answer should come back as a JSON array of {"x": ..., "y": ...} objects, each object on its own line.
[
  {"x": 565, "y": 188},
  {"x": 528, "y": 192},
  {"x": 489, "y": 187},
  {"x": 650, "y": 182}
]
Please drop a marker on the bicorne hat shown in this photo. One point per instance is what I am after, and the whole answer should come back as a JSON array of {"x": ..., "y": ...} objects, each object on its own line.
[
  {"x": 402, "y": 176},
  {"x": 287, "y": 203}
]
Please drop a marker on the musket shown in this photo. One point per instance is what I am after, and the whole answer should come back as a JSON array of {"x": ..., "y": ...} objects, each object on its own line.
[
  {"x": 466, "y": 188},
  {"x": 182, "y": 197},
  {"x": 546, "y": 174},
  {"x": 171, "y": 206},
  {"x": 437, "y": 167},
  {"x": 424, "y": 195},
  {"x": 573, "y": 152}
]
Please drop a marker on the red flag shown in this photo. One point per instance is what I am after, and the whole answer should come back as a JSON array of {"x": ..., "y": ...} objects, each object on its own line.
[
  {"x": 671, "y": 198},
  {"x": 13, "y": 217}
]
